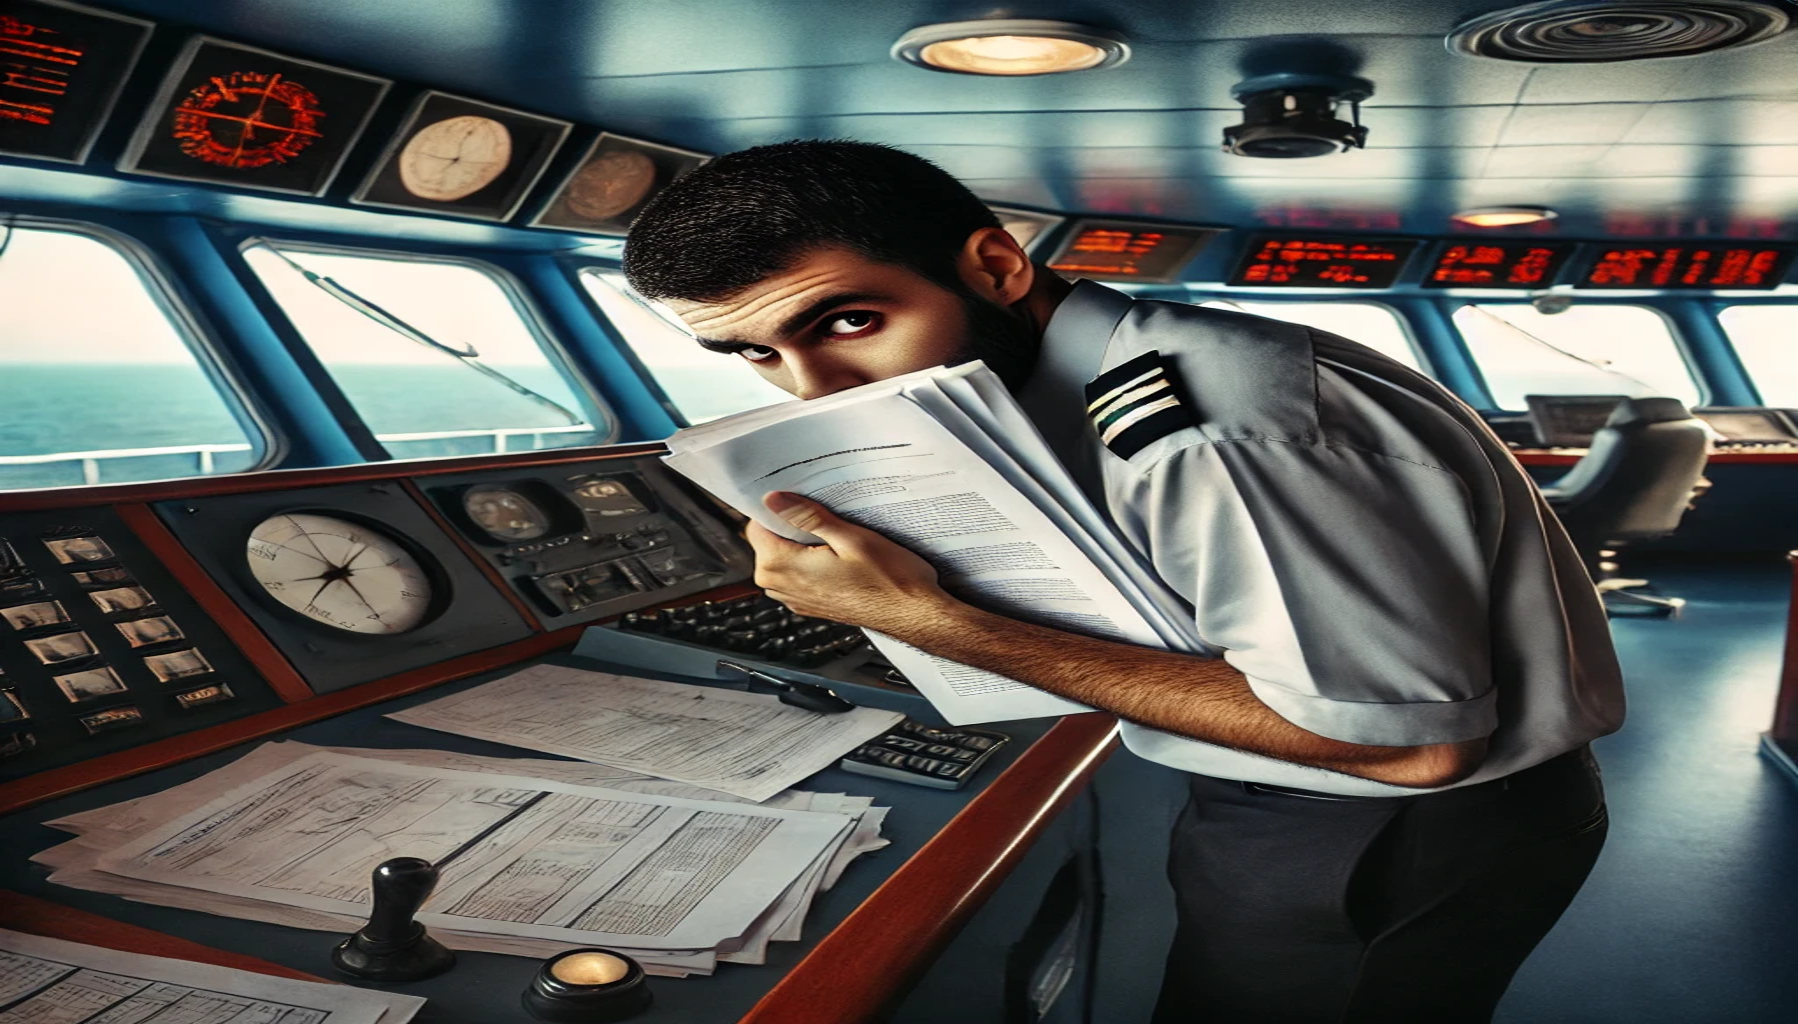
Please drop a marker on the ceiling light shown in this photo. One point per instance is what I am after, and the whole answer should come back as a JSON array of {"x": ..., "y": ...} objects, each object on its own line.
[
  {"x": 1503, "y": 216},
  {"x": 1011, "y": 47}
]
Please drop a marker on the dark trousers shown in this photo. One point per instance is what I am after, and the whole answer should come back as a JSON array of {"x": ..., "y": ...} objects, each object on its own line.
[{"x": 1298, "y": 910}]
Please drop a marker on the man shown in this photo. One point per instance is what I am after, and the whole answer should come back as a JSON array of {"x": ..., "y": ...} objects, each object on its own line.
[{"x": 1391, "y": 799}]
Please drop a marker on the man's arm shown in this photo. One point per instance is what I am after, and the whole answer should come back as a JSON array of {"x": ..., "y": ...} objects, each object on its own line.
[{"x": 861, "y": 578}]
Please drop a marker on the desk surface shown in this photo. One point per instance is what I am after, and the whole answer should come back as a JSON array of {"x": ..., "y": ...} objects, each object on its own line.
[{"x": 484, "y": 987}]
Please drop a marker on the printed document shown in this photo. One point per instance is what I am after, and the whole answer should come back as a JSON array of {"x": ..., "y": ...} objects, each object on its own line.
[
  {"x": 517, "y": 856},
  {"x": 945, "y": 463},
  {"x": 50, "y": 981},
  {"x": 745, "y": 744}
]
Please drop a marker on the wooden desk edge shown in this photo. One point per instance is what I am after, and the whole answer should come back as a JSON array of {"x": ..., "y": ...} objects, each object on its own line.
[
  {"x": 42, "y": 917},
  {"x": 867, "y": 962}
]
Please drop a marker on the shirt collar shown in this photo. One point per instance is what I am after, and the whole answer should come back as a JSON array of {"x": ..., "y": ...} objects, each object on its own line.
[{"x": 1072, "y": 351}]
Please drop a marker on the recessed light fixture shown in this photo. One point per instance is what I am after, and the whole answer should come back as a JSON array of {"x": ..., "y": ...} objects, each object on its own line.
[
  {"x": 1503, "y": 216},
  {"x": 1011, "y": 47}
]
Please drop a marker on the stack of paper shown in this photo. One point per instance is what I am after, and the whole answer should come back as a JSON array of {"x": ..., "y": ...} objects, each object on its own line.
[
  {"x": 946, "y": 463},
  {"x": 49, "y": 981},
  {"x": 535, "y": 855}
]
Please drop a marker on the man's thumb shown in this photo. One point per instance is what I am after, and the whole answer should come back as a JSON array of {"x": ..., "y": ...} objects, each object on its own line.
[{"x": 801, "y": 512}]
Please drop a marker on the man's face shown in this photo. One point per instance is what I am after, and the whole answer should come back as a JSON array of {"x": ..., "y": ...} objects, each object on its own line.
[{"x": 838, "y": 319}]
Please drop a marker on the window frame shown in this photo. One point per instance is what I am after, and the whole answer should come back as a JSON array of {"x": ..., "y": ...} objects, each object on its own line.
[
  {"x": 608, "y": 426},
  {"x": 268, "y": 445},
  {"x": 1425, "y": 365},
  {"x": 1681, "y": 345}
]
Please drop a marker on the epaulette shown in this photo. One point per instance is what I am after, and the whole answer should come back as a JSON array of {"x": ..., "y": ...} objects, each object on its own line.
[{"x": 1134, "y": 404}]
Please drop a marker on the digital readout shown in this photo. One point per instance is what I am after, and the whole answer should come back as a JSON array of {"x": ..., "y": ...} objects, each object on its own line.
[
  {"x": 1689, "y": 266},
  {"x": 1498, "y": 265},
  {"x": 1128, "y": 251},
  {"x": 1324, "y": 262}
]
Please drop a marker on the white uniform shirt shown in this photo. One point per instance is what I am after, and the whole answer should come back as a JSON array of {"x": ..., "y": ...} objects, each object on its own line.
[{"x": 1351, "y": 537}]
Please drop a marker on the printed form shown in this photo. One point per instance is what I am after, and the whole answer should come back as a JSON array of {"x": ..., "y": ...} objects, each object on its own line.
[{"x": 49, "y": 981}]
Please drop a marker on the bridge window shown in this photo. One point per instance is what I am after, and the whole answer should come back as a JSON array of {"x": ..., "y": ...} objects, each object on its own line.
[
  {"x": 438, "y": 356},
  {"x": 1587, "y": 350},
  {"x": 702, "y": 385},
  {"x": 101, "y": 376},
  {"x": 1766, "y": 338},
  {"x": 1369, "y": 323}
]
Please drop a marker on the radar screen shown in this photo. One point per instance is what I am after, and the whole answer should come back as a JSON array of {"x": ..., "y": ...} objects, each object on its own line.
[
  {"x": 1689, "y": 266},
  {"x": 1123, "y": 250},
  {"x": 236, "y": 115},
  {"x": 464, "y": 158},
  {"x": 61, "y": 69},
  {"x": 1498, "y": 264},
  {"x": 612, "y": 183},
  {"x": 1323, "y": 262}
]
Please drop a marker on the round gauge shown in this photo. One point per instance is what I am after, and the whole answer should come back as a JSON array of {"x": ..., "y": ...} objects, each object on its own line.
[
  {"x": 338, "y": 573},
  {"x": 247, "y": 119},
  {"x": 505, "y": 514},
  {"x": 455, "y": 158},
  {"x": 610, "y": 184}
]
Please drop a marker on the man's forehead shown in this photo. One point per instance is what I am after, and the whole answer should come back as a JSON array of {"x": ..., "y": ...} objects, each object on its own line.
[{"x": 763, "y": 303}]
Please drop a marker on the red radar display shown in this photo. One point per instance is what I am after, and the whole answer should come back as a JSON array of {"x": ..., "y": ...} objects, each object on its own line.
[
  {"x": 1298, "y": 262},
  {"x": 1498, "y": 264},
  {"x": 1689, "y": 266}
]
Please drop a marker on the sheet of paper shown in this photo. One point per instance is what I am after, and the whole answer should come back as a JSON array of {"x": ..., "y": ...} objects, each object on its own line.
[
  {"x": 518, "y": 856},
  {"x": 744, "y": 744},
  {"x": 886, "y": 462},
  {"x": 50, "y": 981}
]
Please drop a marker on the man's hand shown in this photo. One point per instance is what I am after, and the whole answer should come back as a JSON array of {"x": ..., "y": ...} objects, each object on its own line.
[{"x": 856, "y": 577}]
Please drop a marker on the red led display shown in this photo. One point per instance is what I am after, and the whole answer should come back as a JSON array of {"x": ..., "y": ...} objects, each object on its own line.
[
  {"x": 1498, "y": 264},
  {"x": 61, "y": 67},
  {"x": 1689, "y": 266},
  {"x": 1128, "y": 251},
  {"x": 1323, "y": 262},
  {"x": 247, "y": 119}
]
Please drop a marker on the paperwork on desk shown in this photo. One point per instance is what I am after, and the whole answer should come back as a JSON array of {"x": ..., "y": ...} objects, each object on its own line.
[
  {"x": 535, "y": 855},
  {"x": 49, "y": 981},
  {"x": 946, "y": 463},
  {"x": 748, "y": 745}
]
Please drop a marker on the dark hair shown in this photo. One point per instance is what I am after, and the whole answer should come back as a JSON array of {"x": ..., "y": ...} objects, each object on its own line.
[{"x": 751, "y": 214}]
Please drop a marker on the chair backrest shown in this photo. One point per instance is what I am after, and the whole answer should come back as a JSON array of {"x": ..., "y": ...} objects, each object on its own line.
[{"x": 1636, "y": 479}]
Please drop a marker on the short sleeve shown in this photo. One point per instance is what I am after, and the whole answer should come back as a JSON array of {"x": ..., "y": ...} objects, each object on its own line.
[{"x": 1349, "y": 587}]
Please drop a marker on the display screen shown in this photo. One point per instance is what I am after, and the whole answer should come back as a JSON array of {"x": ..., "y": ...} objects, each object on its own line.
[
  {"x": 464, "y": 157},
  {"x": 1120, "y": 250},
  {"x": 61, "y": 67},
  {"x": 1689, "y": 266},
  {"x": 1498, "y": 264},
  {"x": 1301, "y": 262}
]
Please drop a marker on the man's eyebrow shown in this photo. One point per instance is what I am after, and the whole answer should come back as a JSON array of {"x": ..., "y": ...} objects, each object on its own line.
[{"x": 792, "y": 324}]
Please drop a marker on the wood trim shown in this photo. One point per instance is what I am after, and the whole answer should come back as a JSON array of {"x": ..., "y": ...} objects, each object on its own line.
[
  {"x": 862, "y": 967},
  {"x": 282, "y": 677},
  {"x": 500, "y": 583},
  {"x": 41, "y": 917},
  {"x": 175, "y": 749},
  {"x": 1785, "y": 707},
  {"x": 1541, "y": 457},
  {"x": 284, "y": 479}
]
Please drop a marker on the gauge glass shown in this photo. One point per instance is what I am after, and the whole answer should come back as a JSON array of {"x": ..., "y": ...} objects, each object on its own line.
[
  {"x": 338, "y": 573},
  {"x": 504, "y": 514}
]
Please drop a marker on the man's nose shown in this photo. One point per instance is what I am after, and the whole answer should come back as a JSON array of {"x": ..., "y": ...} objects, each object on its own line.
[{"x": 817, "y": 377}]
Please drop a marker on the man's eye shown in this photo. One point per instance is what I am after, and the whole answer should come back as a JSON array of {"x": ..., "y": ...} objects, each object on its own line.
[
  {"x": 756, "y": 353},
  {"x": 853, "y": 322}
]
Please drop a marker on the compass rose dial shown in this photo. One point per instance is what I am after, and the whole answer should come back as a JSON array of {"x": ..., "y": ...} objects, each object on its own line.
[
  {"x": 247, "y": 119},
  {"x": 339, "y": 573}
]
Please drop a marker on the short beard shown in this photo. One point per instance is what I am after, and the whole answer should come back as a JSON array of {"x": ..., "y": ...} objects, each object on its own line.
[{"x": 1004, "y": 342}]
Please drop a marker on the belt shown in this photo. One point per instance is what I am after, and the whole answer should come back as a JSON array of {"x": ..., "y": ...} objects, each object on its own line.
[{"x": 1500, "y": 784}]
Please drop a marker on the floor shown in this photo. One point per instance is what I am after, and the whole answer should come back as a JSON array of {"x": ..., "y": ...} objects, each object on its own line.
[{"x": 1692, "y": 913}]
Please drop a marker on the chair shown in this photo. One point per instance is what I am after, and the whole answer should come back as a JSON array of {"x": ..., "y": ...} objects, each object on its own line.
[{"x": 1634, "y": 483}]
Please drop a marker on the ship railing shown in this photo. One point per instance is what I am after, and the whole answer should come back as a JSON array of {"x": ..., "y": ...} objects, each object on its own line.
[{"x": 205, "y": 455}]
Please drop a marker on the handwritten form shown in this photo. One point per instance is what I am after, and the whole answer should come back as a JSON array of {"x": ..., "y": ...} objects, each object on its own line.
[
  {"x": 103, "y": 830},
  {"x": 748, "y": 745},
  {"x": 517, "y": 856},
  {"x": 49, "y": 981}
]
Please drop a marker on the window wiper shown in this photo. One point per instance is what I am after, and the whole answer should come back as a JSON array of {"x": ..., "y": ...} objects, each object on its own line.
[
  {"x": 467, "y": 355},
  {"x": 1647, "y": 388}
]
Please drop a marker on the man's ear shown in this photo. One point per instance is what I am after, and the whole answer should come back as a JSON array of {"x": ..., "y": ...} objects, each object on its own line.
[{"x": 995, "y": 267}]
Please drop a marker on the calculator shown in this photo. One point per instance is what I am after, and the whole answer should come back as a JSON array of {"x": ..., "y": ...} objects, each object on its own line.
[{"x": 923, "y": 755}]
